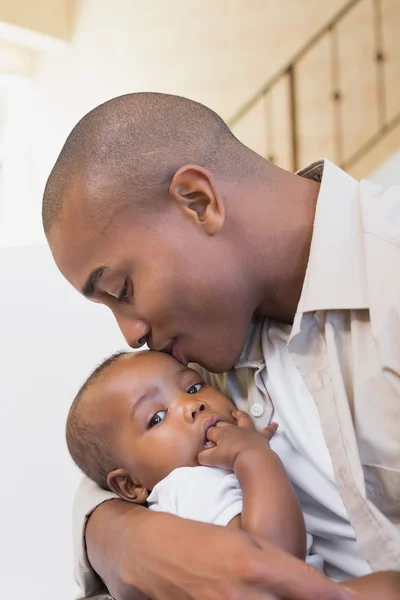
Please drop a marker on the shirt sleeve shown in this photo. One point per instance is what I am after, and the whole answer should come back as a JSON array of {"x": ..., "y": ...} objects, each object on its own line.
[
  {"x": 312, "y": 559},
  {"x": 88, "y": 498},
  {"x": 202, "y": 494}
]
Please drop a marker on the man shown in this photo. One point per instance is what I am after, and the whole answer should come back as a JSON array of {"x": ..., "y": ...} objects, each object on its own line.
[{"x": 288, "y": 286}]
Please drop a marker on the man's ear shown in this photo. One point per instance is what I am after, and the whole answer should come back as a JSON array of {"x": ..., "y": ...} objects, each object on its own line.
[
  {"x": 122, "y": 484},
  {"x": 193, "y": 188}
]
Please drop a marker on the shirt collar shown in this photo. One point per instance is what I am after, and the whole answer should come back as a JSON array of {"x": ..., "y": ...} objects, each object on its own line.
[
  {"x": 335, "y": 276},
  {"x": 252, "y": 354}
]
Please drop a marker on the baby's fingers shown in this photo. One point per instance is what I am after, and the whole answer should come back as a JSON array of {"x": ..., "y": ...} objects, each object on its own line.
[
  {"x": 214, "y": 433},
  {"x": 269, "y": 431},
  {"x": 243, "y": 419},
  {"x": 206, "y": 457}
]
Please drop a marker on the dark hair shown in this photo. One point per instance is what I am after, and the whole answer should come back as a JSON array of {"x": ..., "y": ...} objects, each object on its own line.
[{"x": 88, "y": 444}]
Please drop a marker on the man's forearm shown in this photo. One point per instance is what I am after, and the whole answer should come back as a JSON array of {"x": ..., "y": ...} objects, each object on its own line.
[
  {"x": 103, "y": 543},
  {"x": 270, "y": 505},
  {"x": 384, "y": 585}
]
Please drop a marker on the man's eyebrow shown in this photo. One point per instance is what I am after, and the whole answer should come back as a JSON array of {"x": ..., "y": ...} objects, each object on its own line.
[{"x": 92, "y": 280}]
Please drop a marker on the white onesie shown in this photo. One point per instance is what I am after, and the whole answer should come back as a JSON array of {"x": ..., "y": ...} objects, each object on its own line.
[{"x": 204, "y": 494}]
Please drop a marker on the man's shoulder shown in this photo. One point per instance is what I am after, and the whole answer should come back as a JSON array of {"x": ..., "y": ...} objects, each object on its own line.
[
  {"x": 381, "y": 221},
  {"x": 381, "y": 213}
]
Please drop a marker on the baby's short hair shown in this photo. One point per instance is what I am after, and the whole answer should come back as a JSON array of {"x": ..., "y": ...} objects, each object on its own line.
[{"x": 88, "y": 444}]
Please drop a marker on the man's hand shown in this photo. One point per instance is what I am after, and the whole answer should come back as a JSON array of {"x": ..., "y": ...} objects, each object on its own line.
[
  {"x": 231, "y": 440},
  {"x": 169, "y": 558},
  {"x": 384, "y": 584}
]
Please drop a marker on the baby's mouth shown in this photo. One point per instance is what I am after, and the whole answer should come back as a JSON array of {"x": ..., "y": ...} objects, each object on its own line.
[
  {"x": 210, "y": 422},
  {"x": 208, "y": 444}
]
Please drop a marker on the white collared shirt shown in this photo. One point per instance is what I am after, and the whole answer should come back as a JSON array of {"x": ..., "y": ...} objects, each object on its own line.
[{"x": 333, "y": 380}]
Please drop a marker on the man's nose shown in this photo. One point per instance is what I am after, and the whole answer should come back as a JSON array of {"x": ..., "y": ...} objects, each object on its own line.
[
  {"x": 192, "y": 409},
  {"x": 134, "y": 330}
]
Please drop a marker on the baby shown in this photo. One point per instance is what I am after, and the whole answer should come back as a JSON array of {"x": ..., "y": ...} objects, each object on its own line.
[
  {"x": 150, "y": 429},
  {"x": 144, "y": 426}
]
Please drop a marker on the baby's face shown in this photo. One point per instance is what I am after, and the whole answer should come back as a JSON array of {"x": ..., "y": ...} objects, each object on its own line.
[{"x": 160, "y": 412}]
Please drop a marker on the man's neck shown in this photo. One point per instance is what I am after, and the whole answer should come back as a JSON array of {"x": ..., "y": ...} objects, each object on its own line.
[{"x": 282, "y": 272}]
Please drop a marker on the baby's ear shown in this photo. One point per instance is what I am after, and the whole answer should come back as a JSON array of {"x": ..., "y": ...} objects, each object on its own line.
[{"x": 122, "y": 484}]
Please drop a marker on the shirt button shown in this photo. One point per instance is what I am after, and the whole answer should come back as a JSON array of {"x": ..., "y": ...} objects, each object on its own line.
[{"x": 257, "y": 409}]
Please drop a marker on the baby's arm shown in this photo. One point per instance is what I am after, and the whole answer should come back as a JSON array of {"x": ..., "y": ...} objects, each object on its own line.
[{"x": 270, "y": 505}]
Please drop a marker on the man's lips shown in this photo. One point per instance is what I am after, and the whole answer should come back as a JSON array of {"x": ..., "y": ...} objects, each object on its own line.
[
  {"x": 167, "y": 349},
  {"x": 173, "y": 349},
  {"x": 178, "y": 354}
]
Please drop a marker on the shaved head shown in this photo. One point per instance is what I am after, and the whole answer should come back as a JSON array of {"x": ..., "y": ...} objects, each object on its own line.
[{"x": 133, "y": 145}]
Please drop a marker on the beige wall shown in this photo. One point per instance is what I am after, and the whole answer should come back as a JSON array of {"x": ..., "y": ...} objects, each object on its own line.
[
  {"x": 213, "y": 51},
  {"x": 218, "y": 52},
  {"x": 52, "y": 18}
]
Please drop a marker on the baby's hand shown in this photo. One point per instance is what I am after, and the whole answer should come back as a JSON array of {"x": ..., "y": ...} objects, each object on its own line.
[
  {"x": 231, "y": 440},
  {"x": 244, "y": 420}
]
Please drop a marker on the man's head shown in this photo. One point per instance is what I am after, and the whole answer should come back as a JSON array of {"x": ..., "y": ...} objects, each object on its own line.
[
  {"x": 156, "y": 210},
  {"x": 138, "y": 417}
]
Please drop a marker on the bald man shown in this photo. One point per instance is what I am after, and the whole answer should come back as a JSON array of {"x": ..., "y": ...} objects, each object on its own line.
[{"x": 285, "y": 289}]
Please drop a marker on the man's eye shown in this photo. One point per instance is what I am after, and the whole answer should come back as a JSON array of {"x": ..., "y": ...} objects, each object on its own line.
[
  {"x": 195, "y": 388},
  {"x": 157, "y": 418},
  {"x": 124, "y": 292}
]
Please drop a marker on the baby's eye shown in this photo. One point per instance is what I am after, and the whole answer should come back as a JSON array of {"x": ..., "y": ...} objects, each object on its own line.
[
  {"x": 157, "y": 418},
  {"x": 195, "y": 388}
]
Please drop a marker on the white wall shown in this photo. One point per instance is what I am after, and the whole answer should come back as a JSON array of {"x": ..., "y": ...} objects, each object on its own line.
[{"x": 50, "y": 340}]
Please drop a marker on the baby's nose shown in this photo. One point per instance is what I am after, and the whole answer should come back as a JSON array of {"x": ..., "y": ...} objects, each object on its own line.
[
  {"x": 193, "y": 409},
  {"x": 199, "y": 408}
]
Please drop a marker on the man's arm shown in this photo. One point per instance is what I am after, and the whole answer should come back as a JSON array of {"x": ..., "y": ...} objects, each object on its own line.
[
  {"x": 384, "y": 585},
  {"x": 103, "y": 536},
  {"x": 167, "y": 557}
]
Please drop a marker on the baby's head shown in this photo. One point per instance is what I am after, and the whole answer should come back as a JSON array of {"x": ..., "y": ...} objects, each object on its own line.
[{"x": 138, "y": 417}]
